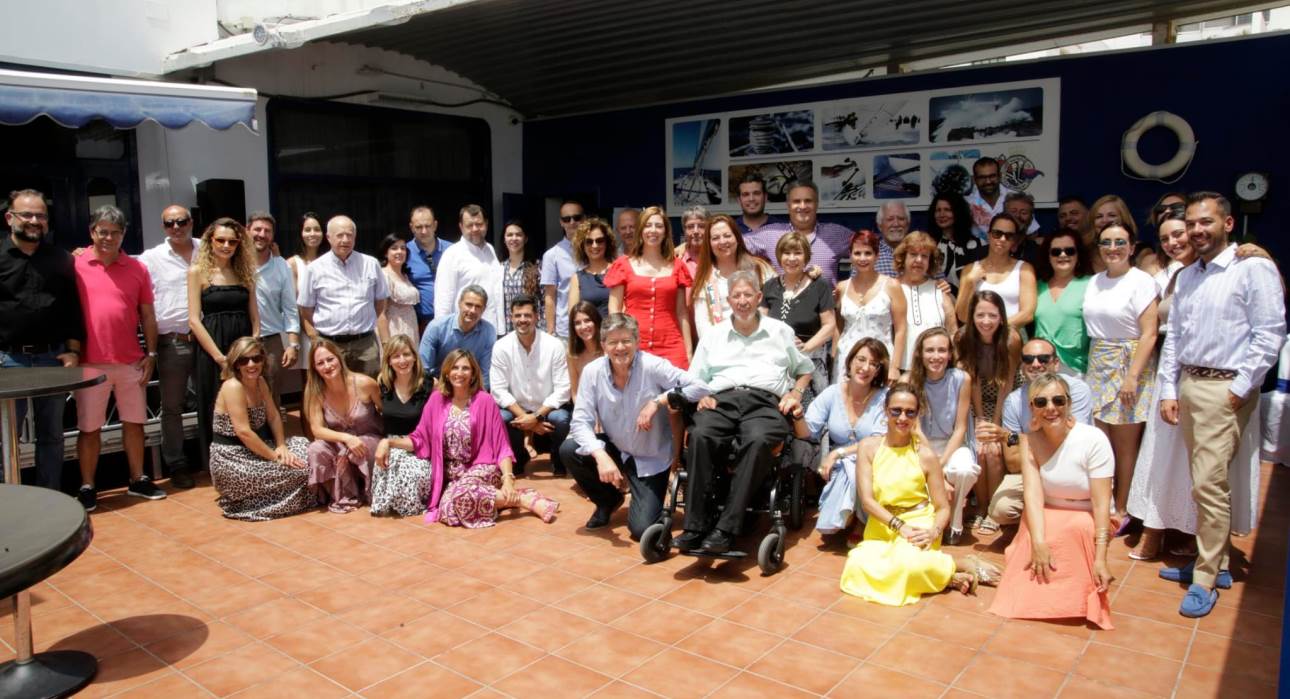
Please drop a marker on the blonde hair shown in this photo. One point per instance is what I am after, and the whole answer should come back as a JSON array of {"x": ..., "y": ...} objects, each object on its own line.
[
  {"x": 476, "y": 374},
  {"x": 395, "y": 345},
  {"x": 314, "y": 381},
  {"x": 1045, "y": 380},
  {"x": 236, "y": 351},
  {"x": 667, "y": 248},
  {"x": 243, "y": 263}
]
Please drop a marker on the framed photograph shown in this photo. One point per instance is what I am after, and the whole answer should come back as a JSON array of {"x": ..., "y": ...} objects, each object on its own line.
[
  {"x": 774, "y": 133},
  {"x": 696, "y": 177},
  {"x": 995, "y": 115},
  {"x": 898, "y": 176},
  {"x": 872, "y": 123}
]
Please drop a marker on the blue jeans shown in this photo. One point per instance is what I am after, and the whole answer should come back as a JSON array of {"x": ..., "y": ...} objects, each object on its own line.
[
  {"x": 49, "y": 420},
  {"x": 549, "y": 442}
]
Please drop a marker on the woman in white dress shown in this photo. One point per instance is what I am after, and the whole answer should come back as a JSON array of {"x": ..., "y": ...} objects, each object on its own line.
[
  {"x": 869, "y": 305},
  {"x": 400, "y": 316},
  {"x": 926, "y": 306},
  {"x": 1013, "y": 280},
  {"x": 720, "y": 255}
]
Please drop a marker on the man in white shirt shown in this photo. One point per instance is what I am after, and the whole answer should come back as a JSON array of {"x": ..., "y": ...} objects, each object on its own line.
[
  {"x": 529, "y": 379},
  {"x": 757, "y": 375},
  {"x": 558, "y": 268},
  {"x": 341, "y": 295},
  {"x": 470, "y": 260},
  {"x": 1226, "y": 328},
  {"x": 275, "y": 296},
  {"x": 167, "y": 265},
  {"x": 986, "y": 198}
]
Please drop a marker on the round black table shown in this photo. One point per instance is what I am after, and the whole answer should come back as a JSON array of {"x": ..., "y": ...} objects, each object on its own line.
[{"x": 41, "y": 531}]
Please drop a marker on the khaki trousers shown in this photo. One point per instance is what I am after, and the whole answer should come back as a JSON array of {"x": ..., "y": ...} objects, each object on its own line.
[
  {"x": 1212, "y": 432},
  {"x": 1009, "y": 500}
]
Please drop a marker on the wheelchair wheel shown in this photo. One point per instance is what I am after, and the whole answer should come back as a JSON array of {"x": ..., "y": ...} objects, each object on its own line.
[
  {"x": 656, "y": 541},
  {"x": 770, "y": 555},
  {"x": 797, "y": 499}
]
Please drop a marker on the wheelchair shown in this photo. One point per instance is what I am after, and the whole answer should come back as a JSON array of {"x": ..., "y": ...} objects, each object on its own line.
[{"x": 782, "y": 497}]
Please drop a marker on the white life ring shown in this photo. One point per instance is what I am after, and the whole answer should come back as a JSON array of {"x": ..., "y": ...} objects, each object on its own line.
[{"x": 1186, "y": 146}]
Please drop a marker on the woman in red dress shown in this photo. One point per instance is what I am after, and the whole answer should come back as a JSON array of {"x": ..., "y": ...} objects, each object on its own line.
[{"x": 649, "y": 285}]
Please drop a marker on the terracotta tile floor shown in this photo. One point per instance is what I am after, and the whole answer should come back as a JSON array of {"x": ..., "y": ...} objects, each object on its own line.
[{"x": 177, "y": 601}]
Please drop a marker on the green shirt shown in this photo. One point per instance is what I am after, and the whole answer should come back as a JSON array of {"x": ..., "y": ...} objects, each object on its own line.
[
  {"x": 1061, "y": 322},
  {"x": 767, "y": 359}
]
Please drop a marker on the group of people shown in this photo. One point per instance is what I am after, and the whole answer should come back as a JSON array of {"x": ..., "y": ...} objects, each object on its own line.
[{"x": 977, "y": 361}]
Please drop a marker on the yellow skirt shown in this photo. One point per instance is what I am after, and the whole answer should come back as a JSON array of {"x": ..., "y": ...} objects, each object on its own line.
[{"x": 887, "y": 569}]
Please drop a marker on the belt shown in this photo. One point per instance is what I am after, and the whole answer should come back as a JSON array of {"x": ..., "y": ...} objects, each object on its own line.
[
  {"x": 342, "y": 339},
  {"x": 1204, "y": 372},
  {"x": 897, "y": 511},
  {"x": 36, "y": 348},
  {"x": 182, "y": 337},
  {"x": 752, "y": 389}
]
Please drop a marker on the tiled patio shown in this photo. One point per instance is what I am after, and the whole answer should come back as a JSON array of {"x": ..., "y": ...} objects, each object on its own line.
[{"x": 176, "y": 601}]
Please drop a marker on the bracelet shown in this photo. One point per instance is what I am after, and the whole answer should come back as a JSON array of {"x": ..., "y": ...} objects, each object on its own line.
[{"x": 895, "y": 523}]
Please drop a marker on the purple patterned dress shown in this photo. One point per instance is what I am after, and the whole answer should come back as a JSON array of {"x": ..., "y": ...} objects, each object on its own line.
[{"x": 470, "y": 500}]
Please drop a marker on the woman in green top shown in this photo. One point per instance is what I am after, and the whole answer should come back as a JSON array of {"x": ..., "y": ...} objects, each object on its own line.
[{"x": 1064, "y": 269}]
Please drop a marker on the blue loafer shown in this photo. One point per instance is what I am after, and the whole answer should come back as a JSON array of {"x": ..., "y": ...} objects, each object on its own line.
[
  {"x": 1198, "y": 602},
  {"x": 1183, "y": 574}
]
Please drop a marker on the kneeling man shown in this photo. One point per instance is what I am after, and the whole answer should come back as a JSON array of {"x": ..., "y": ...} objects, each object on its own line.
[
  {"x": 757, "y": 376},
  {"x": 625, "y": 393}
]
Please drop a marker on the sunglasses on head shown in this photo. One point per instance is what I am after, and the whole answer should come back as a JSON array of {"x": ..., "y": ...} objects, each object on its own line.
[
  {"x": 1032, "y": 358},
  {"x": 1041, "y": 402},
  {"x": 1063, "y": 252},
  {"x": 996, "y": 233},
  {"x": 249, "y": 359},
  {"x": 573, "y": 218},
  {"x": 176, "y": 222},
  {"x": 909, "y": 412}
]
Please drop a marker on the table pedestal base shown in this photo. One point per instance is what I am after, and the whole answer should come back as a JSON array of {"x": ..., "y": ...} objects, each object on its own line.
[{"x": 52, "y": 674}]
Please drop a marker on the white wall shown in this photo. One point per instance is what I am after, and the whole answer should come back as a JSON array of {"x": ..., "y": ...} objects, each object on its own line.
[{"x": 127, "y": 38}]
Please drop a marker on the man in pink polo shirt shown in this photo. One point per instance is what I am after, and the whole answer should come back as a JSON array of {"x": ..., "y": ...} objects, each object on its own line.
[{"x": 116, "y": 294}]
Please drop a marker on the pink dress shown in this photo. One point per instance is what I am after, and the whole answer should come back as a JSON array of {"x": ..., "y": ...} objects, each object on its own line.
[
  {"x": 470, "y": 500},
  {"x": 652, "y": 302},
  {"x": 334, "y": 475}
]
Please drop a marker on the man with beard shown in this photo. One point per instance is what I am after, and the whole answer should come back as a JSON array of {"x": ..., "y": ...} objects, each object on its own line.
[
  {"x": 42, "y": 319},
  {"x": 987, "y": 198},
  {"x": 1072, "y": 213},
  {"x": 1226, "y": 328},
  {"x": 752, "y": 200},
  {"x": 466, "y": 329},
  {"x": 893, "y": 224},
  {"x": 468, "y": 261},
  {"x": 1021, "y": 206},
  {"x": 529, "y": 379},
  {"x": 275, "y": 295},
  {"x": 830, "y": 242}
]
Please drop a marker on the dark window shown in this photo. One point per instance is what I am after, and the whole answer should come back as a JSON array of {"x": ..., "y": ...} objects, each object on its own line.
[{"x": 373, "y": 164}]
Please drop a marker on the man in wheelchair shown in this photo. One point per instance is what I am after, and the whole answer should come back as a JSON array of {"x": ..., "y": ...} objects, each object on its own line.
[{"x": 757, "y": 376}]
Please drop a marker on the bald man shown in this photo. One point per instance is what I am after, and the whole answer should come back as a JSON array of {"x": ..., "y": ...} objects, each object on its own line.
[{"x": 341, "y": 295}]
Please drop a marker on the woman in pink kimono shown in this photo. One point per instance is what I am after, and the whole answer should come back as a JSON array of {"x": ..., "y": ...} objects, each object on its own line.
[{"x": 462, "y": 434}]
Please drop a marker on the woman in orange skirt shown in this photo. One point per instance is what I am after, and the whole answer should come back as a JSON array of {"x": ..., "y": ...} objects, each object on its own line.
[{"x": 1056, "y": 568}]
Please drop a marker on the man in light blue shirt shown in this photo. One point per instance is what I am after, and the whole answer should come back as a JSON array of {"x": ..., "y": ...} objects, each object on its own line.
[
  {"x": 625, "y": 392},
  {"x": 423, "y": 260},
  {"x": 275, "y": 295},
  {"x": 757, "y": 374},
  {"x": 558, "y": 268},
  {"x": 465, "y": 329}
]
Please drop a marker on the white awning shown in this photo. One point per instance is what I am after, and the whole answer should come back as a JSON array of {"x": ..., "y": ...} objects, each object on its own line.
[{"x": 74, "y": 101}]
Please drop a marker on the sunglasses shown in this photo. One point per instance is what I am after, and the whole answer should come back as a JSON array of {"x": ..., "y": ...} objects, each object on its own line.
[
  {"x": 909, "y": 412},
  {"x": 176, "y": 222},
  {"x": 249, "y": 359},
  {"x": 1113, "y": 243},
  {"x": 1062, "y": 252},
  {"x": 1032, "y": 358},
  {"x": 1041, "y": 402},
  {"x": 996, "y": 233},
  {"x": 573, "y": 218},
  {"x": 594, "y": 241}
]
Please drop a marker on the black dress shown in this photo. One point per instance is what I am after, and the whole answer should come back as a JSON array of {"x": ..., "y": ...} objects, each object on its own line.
[
  {"x": 226, "y": 317},
  {"x": 802, "y": 314},
  {"x": 403, "y": 486}
]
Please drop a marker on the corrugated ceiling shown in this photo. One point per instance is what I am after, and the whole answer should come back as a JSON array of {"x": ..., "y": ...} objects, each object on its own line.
[{"x": 552, "y": 58}]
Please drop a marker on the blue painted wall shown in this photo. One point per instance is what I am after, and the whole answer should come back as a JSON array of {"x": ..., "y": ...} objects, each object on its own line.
[{"x": 1235, "y": 95}]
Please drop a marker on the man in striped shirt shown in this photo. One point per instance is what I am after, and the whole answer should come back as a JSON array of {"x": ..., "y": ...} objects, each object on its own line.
[{"x": 1226, "y": 327}]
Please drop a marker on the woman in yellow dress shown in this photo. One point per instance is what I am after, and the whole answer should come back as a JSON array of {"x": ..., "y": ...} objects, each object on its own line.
[{"x": 902, "y": 491}]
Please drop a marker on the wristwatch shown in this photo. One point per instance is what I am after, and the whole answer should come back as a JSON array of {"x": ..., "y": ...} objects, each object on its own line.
[{"x": 1013, "y": 439}]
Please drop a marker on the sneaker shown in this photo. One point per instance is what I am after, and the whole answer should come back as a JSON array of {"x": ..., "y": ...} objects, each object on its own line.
[
  {"x": 181, "y": 478},
  {"x": 89, "y": 498},
  {"x": 145, "y": 488}
]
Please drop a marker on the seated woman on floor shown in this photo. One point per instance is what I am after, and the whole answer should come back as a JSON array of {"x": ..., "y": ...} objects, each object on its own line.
[
  {"x": 402, "y": 485},
  {"x": 344, "y": 410},
  {"x": 255, "y": 481},
  {"x": 1056, "y": 567},
  {"x": 849, "y": 410},
  {"x": 462, "y": 434},
  {"x": 902, "y": 490}
]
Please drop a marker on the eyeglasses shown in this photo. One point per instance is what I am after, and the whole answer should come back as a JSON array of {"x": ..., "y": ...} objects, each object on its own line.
[
  {"x": 908, "y": 412},
  {"x": 1032, "y": 358},
  {"x": 1041, "y": 402},
  {"x": 1062, "y": 252},
  {"x": 594, "y": 241},
  {"x": 1113, "y": 243},
  {"x": 109, "y": 232},
  {"x": 996, "y": 234},
  {"x": 249, "y": 359},
  {"x": 30, "y": 215},
  {"x": 573, "y": 218},
  {"x": 176, "y": 222}
]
